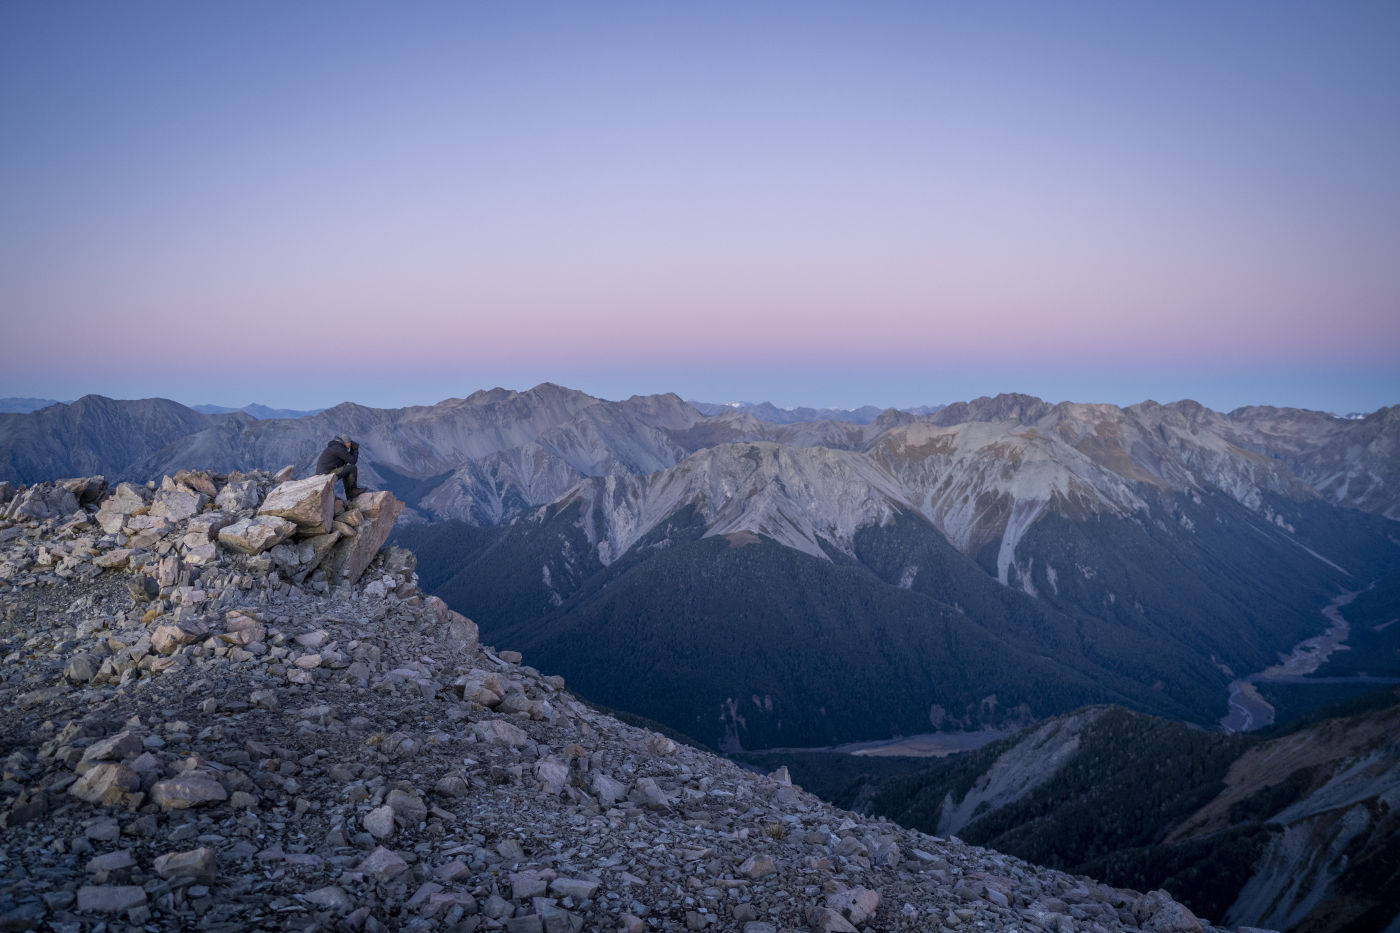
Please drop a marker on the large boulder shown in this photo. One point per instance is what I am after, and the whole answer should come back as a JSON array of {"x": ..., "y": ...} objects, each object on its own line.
[
  {"x": 177, "y": 501},
  {"x": 309, "y": 503},
  {"x": 127, "y": 498},
  {"x": 255, "y": 535},
  {"x": 121, "y": 505},
  {"x": 198, "y": 480},
  {"x": 191, "y": 789},
  {"x": 238, "y": 494},
  {"x": 457, "y": 631},
  {"x": 88, "y": 489},
  {"x": 42, "y": 502},
  {"x": 105, "y": 783},
  {"x": 209, "y": 524},
  {"x": 295, "y": 559},
  {"x": 168, "y": 638},
  {"x": 378, "y": 511}
]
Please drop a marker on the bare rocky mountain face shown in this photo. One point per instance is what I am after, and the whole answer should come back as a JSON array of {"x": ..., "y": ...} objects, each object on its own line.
[
  {"x": 494, "y": 455},
  {"x": 1147, "y": 555},
  {"x": 94, "y": 435},
  {"x": 230, "y": 709},
  {"x": 1294, "y": 832}
]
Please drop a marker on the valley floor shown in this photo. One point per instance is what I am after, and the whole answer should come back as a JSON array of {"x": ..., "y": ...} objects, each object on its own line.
[
  {"x": 1248, "y": 710},
  {"x": 924, "y": 745}
]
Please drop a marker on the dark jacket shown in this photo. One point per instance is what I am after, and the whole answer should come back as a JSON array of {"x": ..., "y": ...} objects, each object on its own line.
[{"x": 335, "y": 456}]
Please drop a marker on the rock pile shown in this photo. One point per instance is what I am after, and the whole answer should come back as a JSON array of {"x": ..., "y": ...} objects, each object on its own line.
[{"x": 230, "y": 708}]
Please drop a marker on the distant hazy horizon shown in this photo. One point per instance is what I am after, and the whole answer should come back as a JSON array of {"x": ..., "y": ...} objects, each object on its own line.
[{"x": 293, "y": 405}]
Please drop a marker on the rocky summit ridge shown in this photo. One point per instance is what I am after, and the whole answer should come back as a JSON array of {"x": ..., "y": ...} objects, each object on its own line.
[{"x": 229, "y": 708}]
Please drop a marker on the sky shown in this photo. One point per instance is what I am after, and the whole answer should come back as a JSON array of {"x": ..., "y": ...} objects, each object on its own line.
[{"x": 825, "y": 204}]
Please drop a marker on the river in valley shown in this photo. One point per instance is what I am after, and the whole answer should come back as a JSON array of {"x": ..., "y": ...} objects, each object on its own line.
[{"x": 1249, "y": 710}]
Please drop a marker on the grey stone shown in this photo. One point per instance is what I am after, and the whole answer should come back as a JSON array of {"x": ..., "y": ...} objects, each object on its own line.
[
  {"x": 452, "y": 870},
  {"x": 407, "y": 807},
  {"x": 531, "y": 883},
  {"x": 113, "y": 748},
  {"x": 187, "y": 790},
  {"x": 501, "y": 732},
  {"x": 81, "y": 668},
  {"x": 332, "y": 897},
  {"x": 312, "y": 640},
  {"x": 386, "y": 863},
  {"x": 759, "y": 865},
  {"x": 238, "y": 495},
  {"x": 452, "y": 785},
  {"x": 530, "y": 923},
  {"x": 856, "y": 904},
  {"x": 110, "y": 898},
  {"x": 350, "y": 556},
  {"x": 826, "y": 920},
  {"x": 379, "y": 822},
  {"x": 119, "y": 860},
  {"x": 115, "y": 559},
  {"x": 105, "y": 783},
  {"x": 552, "y": 774},
  {"x": 648, "y": 794},
  {"x": 201, "y": 863},
  {"x": 579, "y": 889},
  {"x": 177, "y": 502},
  {"x": 168, "y": 638},
  {"x": 607, "y": 790},
  {"x": 255, "y": 535}
]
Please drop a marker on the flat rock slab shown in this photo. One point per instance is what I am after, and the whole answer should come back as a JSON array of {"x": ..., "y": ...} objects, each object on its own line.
[
  {"x": 110, "y": 898},
  {"x": 187, "y": 790},
  {"x": 255, "y": 535},
  {"x": 308, "y": 503}
]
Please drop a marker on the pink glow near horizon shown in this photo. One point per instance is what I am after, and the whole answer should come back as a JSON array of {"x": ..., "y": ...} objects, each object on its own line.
[{"x": 803, "y": 188}]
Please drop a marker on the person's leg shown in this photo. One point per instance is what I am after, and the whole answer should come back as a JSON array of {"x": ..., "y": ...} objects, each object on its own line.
[
  {"x": 346, "y": 473},
  {"x": 351, "y": 476}
]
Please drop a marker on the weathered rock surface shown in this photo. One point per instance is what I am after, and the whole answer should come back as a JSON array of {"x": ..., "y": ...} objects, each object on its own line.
[
  {"x": 308, "y": 503},
  {"x": 353, "y": 552},
  {"x": 255, "y": 535},
  {"x": 246, "y": 749}
]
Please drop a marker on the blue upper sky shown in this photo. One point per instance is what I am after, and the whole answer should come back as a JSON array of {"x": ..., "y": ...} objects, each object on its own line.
[{"x": 813, "y": 203}]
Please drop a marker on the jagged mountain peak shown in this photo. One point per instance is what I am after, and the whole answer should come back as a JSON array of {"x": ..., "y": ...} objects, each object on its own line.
[
  {"x": 1007, "y": 406},
  {"x": 665, "y": 410}
]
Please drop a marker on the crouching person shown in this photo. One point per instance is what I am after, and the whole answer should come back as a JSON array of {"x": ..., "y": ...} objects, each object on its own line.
[{"x": 340, "y": 457}]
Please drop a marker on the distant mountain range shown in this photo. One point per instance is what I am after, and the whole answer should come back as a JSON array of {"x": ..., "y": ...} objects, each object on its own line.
[
  {"x": 763, "y": 411},
  {"x": 767, "y": 411},
  {"x": 261, "y": 412},
  {"x": 25, "y": 405},
  {"x": 759, "y": 584}
]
